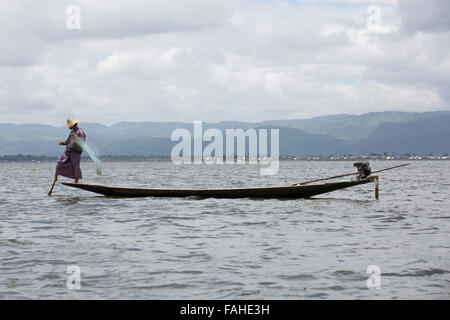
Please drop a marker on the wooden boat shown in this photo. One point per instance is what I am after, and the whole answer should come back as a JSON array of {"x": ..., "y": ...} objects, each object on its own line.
[
  {"x": 300, "y": 190},
  {"x": 292, "y": 191}
]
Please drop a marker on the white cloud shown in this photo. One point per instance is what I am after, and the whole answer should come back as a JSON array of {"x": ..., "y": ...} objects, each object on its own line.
[{"x": 217, "y": 60}]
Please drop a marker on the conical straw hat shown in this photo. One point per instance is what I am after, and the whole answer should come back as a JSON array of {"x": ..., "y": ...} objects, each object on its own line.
[{"x": 71, "y": 122}]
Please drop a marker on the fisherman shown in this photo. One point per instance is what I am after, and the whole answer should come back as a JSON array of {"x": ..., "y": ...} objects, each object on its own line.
[{"x": 69, "y": 163}]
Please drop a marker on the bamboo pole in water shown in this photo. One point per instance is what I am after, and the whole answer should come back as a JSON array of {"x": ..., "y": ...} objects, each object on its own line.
[{"x": 377, "y": 184}]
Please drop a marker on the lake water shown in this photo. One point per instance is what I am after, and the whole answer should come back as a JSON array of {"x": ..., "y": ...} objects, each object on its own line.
[{"x": 175, "y": 248}]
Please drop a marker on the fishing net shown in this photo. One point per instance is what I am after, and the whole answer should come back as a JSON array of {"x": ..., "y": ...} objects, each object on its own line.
[{"x": 91, "y": 151}]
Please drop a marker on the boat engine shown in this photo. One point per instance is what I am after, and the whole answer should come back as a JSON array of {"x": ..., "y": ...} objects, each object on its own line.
[{"x": 363, "y": 169}]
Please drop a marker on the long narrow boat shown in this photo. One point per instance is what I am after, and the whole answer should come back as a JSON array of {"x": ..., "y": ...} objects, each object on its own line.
[{"x": 292, "y": 191}]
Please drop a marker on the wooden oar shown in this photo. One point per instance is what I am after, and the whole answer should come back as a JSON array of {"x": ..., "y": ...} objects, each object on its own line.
[
  {"x": 51, "y": 189},
  {"x": 348, "y": 174}
]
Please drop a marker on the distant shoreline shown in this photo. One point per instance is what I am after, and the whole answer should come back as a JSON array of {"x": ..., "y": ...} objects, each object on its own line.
[{"x": 135, "y": 158}]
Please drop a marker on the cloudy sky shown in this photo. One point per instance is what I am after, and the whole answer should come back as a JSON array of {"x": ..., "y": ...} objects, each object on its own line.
[{"x": 214, "y": 60}]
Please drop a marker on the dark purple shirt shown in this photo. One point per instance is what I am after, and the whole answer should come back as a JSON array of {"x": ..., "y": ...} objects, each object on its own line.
[{"x": 70, "y": 142}]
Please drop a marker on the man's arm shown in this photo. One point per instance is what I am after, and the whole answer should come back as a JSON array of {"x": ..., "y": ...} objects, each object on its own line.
[{"x": 64, "y": 143}]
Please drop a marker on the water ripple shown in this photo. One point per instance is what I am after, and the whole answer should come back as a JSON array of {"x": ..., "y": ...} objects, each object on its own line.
[{"x": 164, "y": 248}]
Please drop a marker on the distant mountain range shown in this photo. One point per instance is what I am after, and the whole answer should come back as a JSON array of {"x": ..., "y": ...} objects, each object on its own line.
[{"x": 378, "y": 132}]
